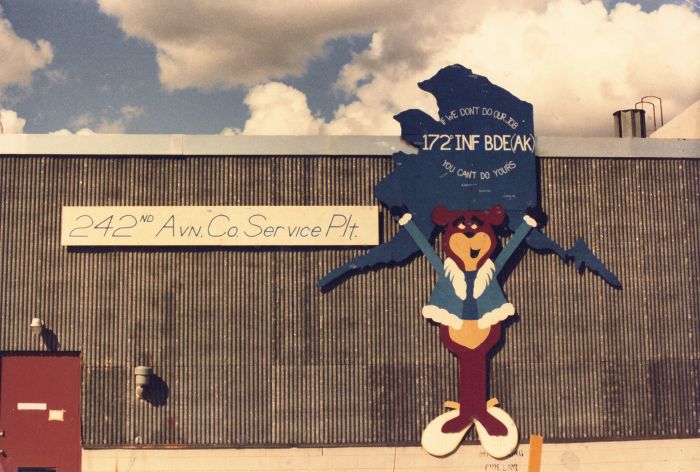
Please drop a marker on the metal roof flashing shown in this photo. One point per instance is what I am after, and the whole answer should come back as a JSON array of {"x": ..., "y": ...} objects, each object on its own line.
[{"x": 239, "y": 145}]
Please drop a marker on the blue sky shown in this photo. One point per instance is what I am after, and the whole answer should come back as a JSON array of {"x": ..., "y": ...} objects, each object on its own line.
[{"x": 213, "y": 66}]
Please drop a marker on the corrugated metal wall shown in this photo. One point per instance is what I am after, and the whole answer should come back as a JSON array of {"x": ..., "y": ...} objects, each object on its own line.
[{"x": 248, "y": 352}]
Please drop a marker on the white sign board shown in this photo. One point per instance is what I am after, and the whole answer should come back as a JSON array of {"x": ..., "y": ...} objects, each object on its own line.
[{"x": 220, "y": 226}]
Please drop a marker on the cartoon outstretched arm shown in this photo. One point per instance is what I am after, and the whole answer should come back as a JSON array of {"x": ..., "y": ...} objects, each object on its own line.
[
  {"x": 518, "y": 237},
  {"x": 407, "y": 222}
]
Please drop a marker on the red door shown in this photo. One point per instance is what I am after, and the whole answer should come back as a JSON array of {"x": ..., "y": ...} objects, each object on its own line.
[{"x": 40, "y": 412}]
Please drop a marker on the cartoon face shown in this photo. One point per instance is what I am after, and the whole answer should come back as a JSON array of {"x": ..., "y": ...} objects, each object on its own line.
[{"x": 469, "y": 237}]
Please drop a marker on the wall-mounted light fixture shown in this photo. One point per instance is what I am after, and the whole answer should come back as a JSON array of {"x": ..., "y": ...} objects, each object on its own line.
[
  {"x": 37, "y": 326},
  {"x": 142, "y": 379}
]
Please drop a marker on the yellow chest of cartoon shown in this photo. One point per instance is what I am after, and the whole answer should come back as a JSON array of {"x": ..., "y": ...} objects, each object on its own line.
[{"x": 469, "y": 335}]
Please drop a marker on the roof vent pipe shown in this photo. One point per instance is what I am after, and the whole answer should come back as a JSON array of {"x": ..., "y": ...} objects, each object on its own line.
[{"x": 630, "y": 124}]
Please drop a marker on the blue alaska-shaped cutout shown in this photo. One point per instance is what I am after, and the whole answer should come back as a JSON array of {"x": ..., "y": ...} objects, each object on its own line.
[{"x": 479, "y": 152}]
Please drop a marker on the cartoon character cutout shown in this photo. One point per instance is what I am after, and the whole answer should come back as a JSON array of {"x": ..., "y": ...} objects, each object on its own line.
[
  {"x": 458, "y": 163},
  {"x": 468, "y": 304}
]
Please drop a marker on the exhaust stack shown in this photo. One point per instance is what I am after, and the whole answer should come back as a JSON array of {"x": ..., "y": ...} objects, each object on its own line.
[{"x": 630, "y": 123}]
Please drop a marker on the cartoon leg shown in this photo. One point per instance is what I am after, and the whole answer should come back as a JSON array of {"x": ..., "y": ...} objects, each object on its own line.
[
  {"x": 466, "y": 400},
  {"x": 493, "y": 426},
  {"x": 472, "y": 384},
  {"x": 502, "y": 445}
]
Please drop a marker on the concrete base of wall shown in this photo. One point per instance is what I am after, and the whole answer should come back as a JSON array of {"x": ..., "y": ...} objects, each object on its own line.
[{"x": 682, "y": 455}]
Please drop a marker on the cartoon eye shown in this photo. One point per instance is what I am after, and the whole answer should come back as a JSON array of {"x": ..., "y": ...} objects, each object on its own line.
[
  {"x": 461, "y": 226},
  {"x": 473, "y": 226}
]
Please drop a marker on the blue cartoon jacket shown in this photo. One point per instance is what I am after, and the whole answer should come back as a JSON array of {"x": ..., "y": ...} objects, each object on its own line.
[{"x": 460, "y": 295}]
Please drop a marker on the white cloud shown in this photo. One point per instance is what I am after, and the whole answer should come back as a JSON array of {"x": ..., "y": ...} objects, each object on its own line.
[
  {"x": 86, "y": 121},
  {"x": 575, "y": 62},
  {"x": 19, "y": 58},
  {"x": 117, "y": 126},
  {"x": 222, "y": 43},
  {"x": 66, "y": 132},
  {"x": 10, "y": 123},
  {"x": 111, "y": 126},
  {"x": 573, "y": 59},
  {"x": 279, "y": 109}
]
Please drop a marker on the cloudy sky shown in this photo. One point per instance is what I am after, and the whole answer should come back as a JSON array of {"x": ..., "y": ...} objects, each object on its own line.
[{"x": 332, "y": 67}]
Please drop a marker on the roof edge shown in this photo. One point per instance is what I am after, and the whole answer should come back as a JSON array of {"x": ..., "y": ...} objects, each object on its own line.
[{"x": 219, "y": 145}]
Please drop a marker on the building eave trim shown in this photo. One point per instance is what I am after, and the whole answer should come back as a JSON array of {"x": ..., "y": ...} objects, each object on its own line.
[{"x": 239, "y": 145}]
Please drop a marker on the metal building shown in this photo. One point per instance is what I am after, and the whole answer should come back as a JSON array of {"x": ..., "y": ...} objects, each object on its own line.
[{"x": 248, "y": 353}]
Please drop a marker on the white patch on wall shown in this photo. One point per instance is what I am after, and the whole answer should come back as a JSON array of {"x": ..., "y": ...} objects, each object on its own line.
[
  {"x": 56, "y": 415},
  {"x": 31, "y": 406}
]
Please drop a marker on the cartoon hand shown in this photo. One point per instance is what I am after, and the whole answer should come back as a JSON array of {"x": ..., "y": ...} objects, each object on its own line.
[
  {"x": 530, "y": 221},
  {"x": 405, "y": 219}
]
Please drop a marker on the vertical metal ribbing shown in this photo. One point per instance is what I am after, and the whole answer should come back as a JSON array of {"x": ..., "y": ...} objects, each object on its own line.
[{"x": 253, "y": 354}]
